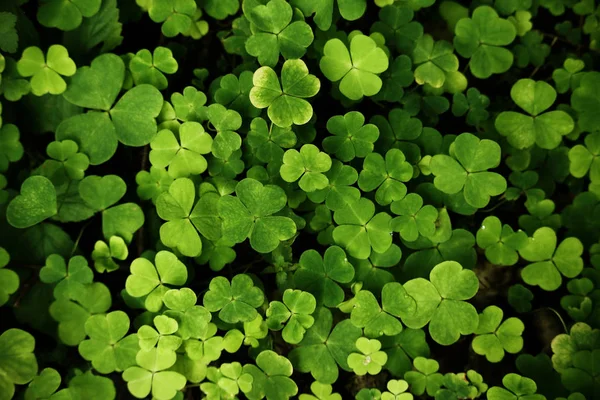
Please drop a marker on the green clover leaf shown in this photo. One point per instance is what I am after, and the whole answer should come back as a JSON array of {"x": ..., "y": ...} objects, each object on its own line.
[
  {"x": 585, "y": 159},
  {"x": 467, "y": 169},
  {"x": 500, "y": 242},
  {"x": 321, "y": 391},
  {"x": 104, "y": 253},
  {"x": 339, "y": 192},
  {"x": 70, "y": 281},
  {"x": 434, "y": 60},
  {"x": 9, "y": 38},
  {"x": 357, "y": 69},
  {"x": 227, "y": 381},
  {"x": 519, "y": 387},
  {"x": 386, "y": 175},
  {"x": 268, "y": 142},
  {"x": 568, "y": 77},
  {"x": 250, "y": 214},
  {"x": 44, "y": 385},
  {"x": 235, "y": 301},
  {"x": 519, "y": 297},
  {"x": 351, "y": 137},
  {"x": 147, "y": 279},
  {"x": 234, "y": 93},
  {"x": 271, "y": 379},
  {"x": 473, "y": 104},
  {"x": 426, "y": 378},
  {"x": 360, "y": 230},
  {"x": 308, "y": 165},
  {"x": 578, "y": 304},
  {"x": 585, "y": 100},
  {"x": 45, "y": 72},
  {"x": 162, "y": 337},
  {"x": 350, "y": 10},
  {"x": 107, "y": 347},
  {"x": 413, "y": 219},
  {"x": 176, "y": 16},
  {"x": 66, "y": 16},
  {"x": 36, "y": 203},
  {"x": 544, "y": 129},
  {"x": 226, "y": 122},
  {"x": 480, "y": 38},
  {"x": 493, "y": 338},
  {"x": 396, "y": 390},
  {"x": 399, "y": 131},
  {"x": 285, "y": 101},
  {"x": 295, "y": 312},
  {"x": 11, "y": 149},
  {"x": 397, "y": 25},
  {"x": 189, "y": 105},
  {"x": 371, "y": 359},
  {"x": 319, "y": 275},
  {"x": 18, "y": 364},
  {"x": 150, "y": 68},
  {"x": 549, "y": 262},
  {"x": 153, "y": 183},
  {"x": 66, "y": 159}
]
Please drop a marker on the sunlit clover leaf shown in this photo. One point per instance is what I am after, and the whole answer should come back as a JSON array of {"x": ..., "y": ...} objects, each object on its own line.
[
  {"x": 358, "y": 69},
  {"x": 9, "y": 280},
  {"x": 71, "y": 316},
  {"x": 250, "y": 214},
  {"x": 44, "y": 385},
  {"x": 320, "y": 275},
  {"x": 175, "y": 207},
  {"x": 107, "y": 347},
  {"x": 271, "y": 377},
  {"x": 226, "y": 381},
  {"x": 190, "y": 104},
  {"x": 151, "y": 375},
  {"x": 268, "y": 142},
  {"x": 480, "y": 38},
  {"x": 493, "y": 338},
  {"x": 162, "y": 337},
  {"x": 153, "y": 183},
  {"x": 176, "y": 15},
  {"x": 35, "y": 203},
  {"x": 308, "y": 165},
  {"x": 45, "y": 72},
  {"x": 467, "y": 170},
  {"x": 517, "y": 387},
  {"x": 275, "y": 33},
  {"x": 294, "y": 312},
  {"x": 441, "y": 302},
  {"x": 150, "y": 68},
  {"x": 149, "y": 280},
  {"x": 413, "y": 218},
  {"x": 351, "y": 137},
  {"x": 433, "y": 59},
  {"x": 185, "y": 156},
  {"x": 66, "y": 158},
  {"x": 397, "y": 25},
  {"x": 70, "y": 280},
  {"x": 386, "y": 175},
  {"x": 396, "y": 390},
  {"x": 586, "y": 159},
  {"x": 104, "y": 253},
  {"x": 370, "y": 360},
  {"x": 226, "y": 122},
  {"x": 501, "y": 243},
  {"x": 361, "y": 230},
  {"x": 18, "y": 364},
  {"x": 321, "y": 391},
  {"x": 548, "y": 262},
  {"x": 285, "y": 102},
  {"x": 322, "y": 350},
  {"x": 323, "y": 10},
  {"x": 544, "y": 129},
  {"x": 66, "y": 15},
  {"x": 236, "y": 301},
  {"x": 426, "y": 378}
]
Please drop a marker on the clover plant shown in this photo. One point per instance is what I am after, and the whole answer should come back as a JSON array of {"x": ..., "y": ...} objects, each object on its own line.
[{"x": 299, "y": 199}]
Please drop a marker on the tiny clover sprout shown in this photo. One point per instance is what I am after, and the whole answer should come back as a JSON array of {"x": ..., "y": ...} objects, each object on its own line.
[
  {"x": 585, "y": 100},
  {"x": 584, "y": 160},
  {"x": 226, "y": 381},
  {"x": 517, "y": 387},
  {"x": 275, "y": 33},
  {"x": 151, "y": 375},
  {"x": 67, "y": 162},
  {"x": 386, "y": 175},
  {"x": 370, "y": 360},
  {"x": 285, "y": 101},
  {"x": 568, "y": 77},
  {"x": 66, "y": 16},
  {"x": 150, "y": 68},
  {"x": 36, "y": 203},
  {"x": 339, "y": 192},
  {"x": 323, "y": 10},
  {"x": 295, "y": 312},
  {"x": 493, "y": 338},
  {"x": 324, "y": 351},
  {"x": 308, "y": 165},
  {"x": 183, "y": 157},
  {"x": 108, "y": 348},
  {"x": 579, "y": 304},
  {"x": 149, "y": 280},
  {"x": 550, "y": 263},
  {"x": 250, "y": 214},
  {"x": 176, "y": 15},
  {"x": 360, "y": 230},
  {"x": 18, "y": 364},
  {"x": 413, "y": 218},
  {"x": 11, "y": 149},
  {"x": 236, "y": 301},
  {"x": 466, "y": 170},
  {"x": 545, "y": 129},
  {"x": 268, "y": 141},
  {"x": 351, "y": 137},
  {"x": 321, "y": 391},
  {"x": 189, "y": 105},
  {"x": 70, "y": 280},
  {"x": 45, "y": 72},
  {"x": 357, "y": 69},
  {"x": 500, "y": 242},
  {"x": 320, "y": 275},
  {"x": 271, "y": 377},
  {"x": 426, "y": 378},
  {"x": 9, "y": 280},
  {"x": 104, "y": 253},
  {"x": 396, "y": 390},
  {"x": 225, "y": 122},
  {"x": 434, "y": 61},
  {"x": 480, "y": 38}
]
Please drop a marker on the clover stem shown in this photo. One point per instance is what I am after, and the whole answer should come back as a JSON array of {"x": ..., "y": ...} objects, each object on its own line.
[{"x": 79, "y": 238}]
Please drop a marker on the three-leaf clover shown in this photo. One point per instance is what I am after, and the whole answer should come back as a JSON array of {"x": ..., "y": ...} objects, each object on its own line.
[
  {"x": 18, "y": 364},
  {"x": 250, "y": 214},
  {"x": 150, "y": 68},
  {"x": 568, "y": 77},
  {"x": 426, "y": 378},
  {"x": 45, "y": 72},
  {"x": 9, "y": 280},
  {"x": 11, "y": 149},
  {"x": 544, "y": 129},
  {"x": 271, "y": 377},
  {"x": 321, "y": 391},
  {"x": 396, "y": 390},
  {"x": 386, "y": 175},
  {"x": 376, "y": 320},
  {"x": 501, "y": 243},
  {"x": 434, "y": 60},
  {"x": 357, "y": 69},
  {"x": 226, "y": 381},
  {"x": 308, "y": 165},
  {"x": 285, "y": 101},
  {"x": 397, "y": 25},
  {"x": 493, "y": 338},
  {"x": 548, "y": 262},
  {"x": 176, "y": 15},
  {"x": 236, "y": 301},
  {"x": 413, "y": 218},
  {"x": 517, "y": 387},
  {"x": 370, "y": 360},
  {"x": 149, "y": 280},
  {"x": 66, "y": 159},
  {"x": 586, "y": 159},
  {"x": 339, "y": 191},
  {"x": 467, "y": 169},
  {"x": 70, "y": 280},
  {"x": 68, "y": 15},
  {"x": 295, "y": 312},
  {"x": 104, "y": 253},
  {"x": 323, "y": 10},
  {"x": 480, "y": 38},
  {"x": 585, "y": 100},
  {"x": 268, "y": 142},
  {"x": 351, "y": 137}
]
